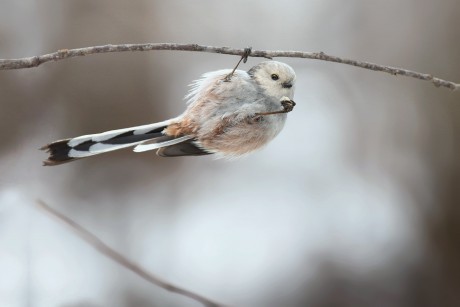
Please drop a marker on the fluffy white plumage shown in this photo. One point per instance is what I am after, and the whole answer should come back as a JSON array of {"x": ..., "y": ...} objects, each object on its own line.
[{"x": 229, "y": 114}]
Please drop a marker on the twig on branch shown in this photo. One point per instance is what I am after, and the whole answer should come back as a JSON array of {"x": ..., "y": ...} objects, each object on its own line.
[
  {"x": 35, "y": 61},
  {"x": 122, "y": 260}
]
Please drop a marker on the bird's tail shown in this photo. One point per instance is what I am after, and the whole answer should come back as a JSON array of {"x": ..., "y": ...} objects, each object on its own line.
[{"x": 88, "y": 145}]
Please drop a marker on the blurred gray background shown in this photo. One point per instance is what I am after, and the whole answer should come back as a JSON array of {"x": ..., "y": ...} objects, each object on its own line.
[{"x": 355, "y": 203}]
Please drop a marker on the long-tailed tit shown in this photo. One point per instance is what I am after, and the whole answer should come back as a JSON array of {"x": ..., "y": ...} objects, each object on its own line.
[{"x": 229, "y": 113}]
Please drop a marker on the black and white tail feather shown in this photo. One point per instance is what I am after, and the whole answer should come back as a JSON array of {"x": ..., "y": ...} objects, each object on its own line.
[{"x": 144, "y": 138}]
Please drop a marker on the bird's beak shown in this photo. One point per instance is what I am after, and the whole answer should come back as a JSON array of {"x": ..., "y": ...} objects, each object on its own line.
[{"x": 286, "y": 84}]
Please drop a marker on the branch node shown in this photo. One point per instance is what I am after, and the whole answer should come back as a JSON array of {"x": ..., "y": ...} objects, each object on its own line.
[{"x": 35, "y": 61}]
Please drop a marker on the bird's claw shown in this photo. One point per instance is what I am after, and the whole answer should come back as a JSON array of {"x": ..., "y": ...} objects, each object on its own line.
[
  {"x": 288, "y": 104},
  {"x": 244, "y": 57}
]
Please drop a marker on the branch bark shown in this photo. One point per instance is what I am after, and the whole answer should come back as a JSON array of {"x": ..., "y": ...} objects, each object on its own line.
[
  {"x": 103, "y": 248},
  {"x": 34, "y": 61}
]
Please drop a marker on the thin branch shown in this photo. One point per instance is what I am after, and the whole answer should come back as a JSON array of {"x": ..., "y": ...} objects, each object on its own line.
[
  {"x": 35, "y": 61},
  {"x": 103, "y": 248}
]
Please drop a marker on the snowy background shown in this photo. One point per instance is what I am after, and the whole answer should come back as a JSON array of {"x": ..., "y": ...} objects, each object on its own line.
[{"x": 355, "y": 203}]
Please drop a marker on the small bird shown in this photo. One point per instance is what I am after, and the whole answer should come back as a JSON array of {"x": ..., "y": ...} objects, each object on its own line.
[{"x": 230, "y": 113}]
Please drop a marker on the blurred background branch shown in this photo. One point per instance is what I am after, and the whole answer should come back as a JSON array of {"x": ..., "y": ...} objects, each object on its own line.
[
  {"x": 34, "y": 61},
  {"x": 104, "y": 249}
]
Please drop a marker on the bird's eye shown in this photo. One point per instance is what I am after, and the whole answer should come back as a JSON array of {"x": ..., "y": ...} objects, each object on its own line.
[{"x": 275, "y": 77}]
